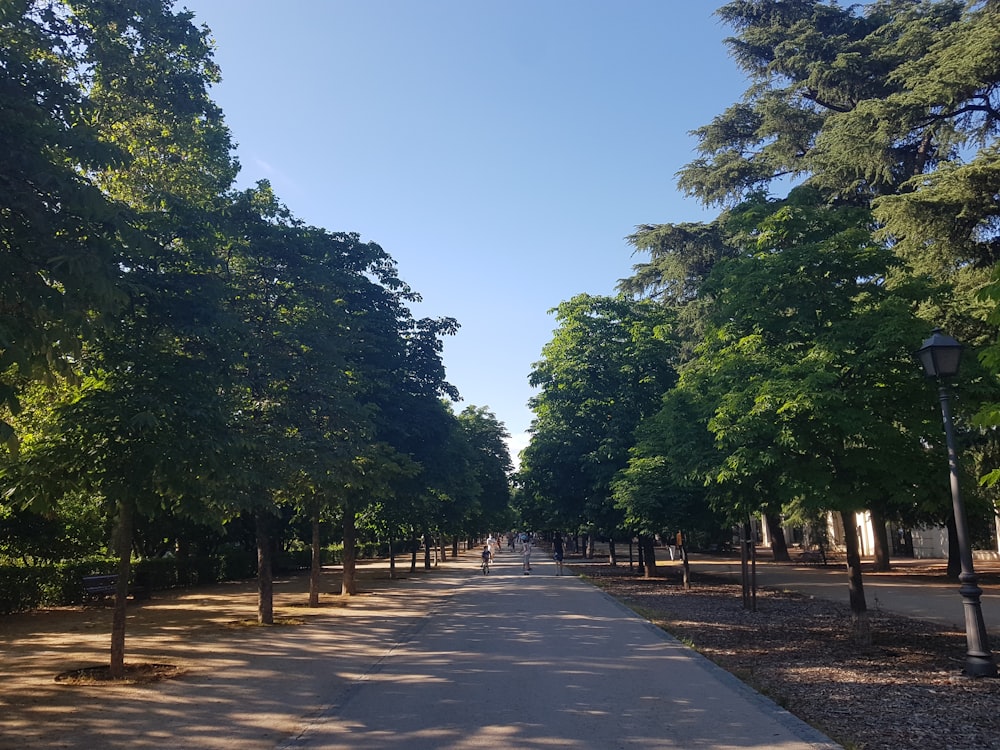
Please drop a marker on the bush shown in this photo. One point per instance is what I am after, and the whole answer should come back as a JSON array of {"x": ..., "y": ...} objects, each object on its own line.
[
  {"x": 156, "y": 573},
  {"x": 24, "y": 587},
  {"x": 235, "y": 563},
  {"x": 288, "y": 561}
]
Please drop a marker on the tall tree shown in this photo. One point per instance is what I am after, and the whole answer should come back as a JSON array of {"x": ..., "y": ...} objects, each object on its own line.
[
  {"x": 809, "y": 369},
  {"x": 318, "y": 325},
  {"x": 60, "y": 236},
  {"x": 143, "y": 73},
  {"x": 491, "y": 466},
  {"x": 891, "y": 104},
  {"x": 603, "y": 371},
  {"x": 828, "y": 99},
  {"x": 419, "y": 425}
]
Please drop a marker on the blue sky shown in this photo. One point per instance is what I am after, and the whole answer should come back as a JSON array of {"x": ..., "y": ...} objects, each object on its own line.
[{"x": 499, "y": 150}]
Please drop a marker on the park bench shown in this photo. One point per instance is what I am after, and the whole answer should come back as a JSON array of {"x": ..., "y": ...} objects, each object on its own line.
[
  {"x": 812, "y": 556},
  {"x": 101, "y": 586}
]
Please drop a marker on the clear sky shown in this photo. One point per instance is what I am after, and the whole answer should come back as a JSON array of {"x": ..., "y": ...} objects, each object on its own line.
[{"x": 499, "y": 150}]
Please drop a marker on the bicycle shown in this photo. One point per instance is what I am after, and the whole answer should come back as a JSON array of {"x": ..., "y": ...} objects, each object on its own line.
[{"x": 486, "y": 567}]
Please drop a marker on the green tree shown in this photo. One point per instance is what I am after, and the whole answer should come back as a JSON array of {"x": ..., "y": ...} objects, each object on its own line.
[
  {"x": 603, "y": 371},
  {"x": 666, "y": 487},
  {"x": 138, "y": 430},
  {"x": 491, "y": 467},
  {"x": 60, "y": 236},
  {"x": 831, "y": 98},
  {"x": 890, "y": 104},
  {"x": 415, "y": 421},
  {"x": 809, "y": 369},
  {"x": 318, "y": 327}
]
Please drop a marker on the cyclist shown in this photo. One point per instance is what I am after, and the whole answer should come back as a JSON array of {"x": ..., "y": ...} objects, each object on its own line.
[{"x": 486, "y": 559}]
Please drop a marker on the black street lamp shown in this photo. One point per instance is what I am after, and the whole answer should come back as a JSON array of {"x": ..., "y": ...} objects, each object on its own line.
[{"x": 939, "y": 356}]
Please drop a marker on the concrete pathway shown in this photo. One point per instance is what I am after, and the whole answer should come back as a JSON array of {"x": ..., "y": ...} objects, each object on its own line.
[
  {"x": 543, "y": 661},
  {"x": 925, "y": 597}
]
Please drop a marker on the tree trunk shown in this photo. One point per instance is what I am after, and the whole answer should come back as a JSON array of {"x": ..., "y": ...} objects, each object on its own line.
[
  {"x": 123, "y": 549},
  {"x": 779, "y": 546},
  {"x": 685, "y": 563},
  {"x": 881, "y": 537},
  {"x": 648, "y": 556},
  {"x": 612, "y": 553},
  {"x": 589, "y": 554},
  {"x": 413, "y": 551},
  {"x": 349, "y": 584},
  {"x": 316, "y": 568},
  {"x": 428, "y": 542},
  {"x": 185, "y": 576},
  {"x": 265, "y": 579},
  {"x": 392, "y": 557},
  {"x": 859, "y": 607},
  {"x": 441, "y": 555},
  {"x": 454, "y": 546},
  {"x": 745, "y": 563}
]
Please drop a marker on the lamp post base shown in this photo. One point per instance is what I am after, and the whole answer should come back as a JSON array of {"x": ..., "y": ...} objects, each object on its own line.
[
  {"x": 979, "y": 666},
  {"x": 978, "y": 658}
]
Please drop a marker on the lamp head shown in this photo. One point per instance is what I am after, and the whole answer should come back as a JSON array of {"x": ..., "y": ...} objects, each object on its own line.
[{"x": 939, "y": 355}]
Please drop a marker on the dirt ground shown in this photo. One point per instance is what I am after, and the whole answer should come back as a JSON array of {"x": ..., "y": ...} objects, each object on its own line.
[{"x": 241, "y": 685}]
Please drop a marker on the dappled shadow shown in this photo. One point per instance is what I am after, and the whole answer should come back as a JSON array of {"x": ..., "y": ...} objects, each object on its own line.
[
  {"x": 451, "y": 658},
  {"x": 242, "y": 687},
  {"x": 538, "y": 662}
]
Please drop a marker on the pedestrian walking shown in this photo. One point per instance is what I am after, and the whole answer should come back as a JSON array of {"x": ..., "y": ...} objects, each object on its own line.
[{"x": 557, "y": 553}]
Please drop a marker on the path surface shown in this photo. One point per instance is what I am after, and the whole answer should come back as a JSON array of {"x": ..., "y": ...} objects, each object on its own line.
[
  {"x": 921, "y": 596},
  {"x": 543, "y": 661}
]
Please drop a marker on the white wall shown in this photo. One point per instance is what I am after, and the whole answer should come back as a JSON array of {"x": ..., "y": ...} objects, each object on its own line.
[{"x": 930, "y": 542}]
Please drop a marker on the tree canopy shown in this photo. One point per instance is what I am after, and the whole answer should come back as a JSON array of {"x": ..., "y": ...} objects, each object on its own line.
[{"x": 188, "y": 358}]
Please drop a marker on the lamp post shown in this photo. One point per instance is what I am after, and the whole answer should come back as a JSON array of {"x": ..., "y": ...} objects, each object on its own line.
[{"x": 939, "y": 356}]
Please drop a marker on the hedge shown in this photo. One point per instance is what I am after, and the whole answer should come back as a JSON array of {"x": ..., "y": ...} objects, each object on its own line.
[{"x": 26, "y": 587}]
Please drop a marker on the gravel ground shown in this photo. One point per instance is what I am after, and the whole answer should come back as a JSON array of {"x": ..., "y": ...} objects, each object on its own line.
[{"x": 905, "y": 691}]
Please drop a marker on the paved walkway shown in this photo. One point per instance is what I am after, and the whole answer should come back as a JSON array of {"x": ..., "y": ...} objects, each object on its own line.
[
  {"x": 543, "y": 661},
  {"x": 915, "y": 588}
]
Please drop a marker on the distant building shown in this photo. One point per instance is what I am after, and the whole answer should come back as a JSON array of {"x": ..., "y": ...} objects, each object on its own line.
[{"x": 921, "y": 543}]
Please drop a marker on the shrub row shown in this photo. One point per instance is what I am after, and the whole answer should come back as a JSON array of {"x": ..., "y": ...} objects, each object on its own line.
[{"x": 26, "y": 587}]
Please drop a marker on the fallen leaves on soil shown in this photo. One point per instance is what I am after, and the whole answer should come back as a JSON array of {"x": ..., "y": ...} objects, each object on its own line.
[
  {"x": 252, "y": 622},
  {"x": 135, "y": 674}
]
